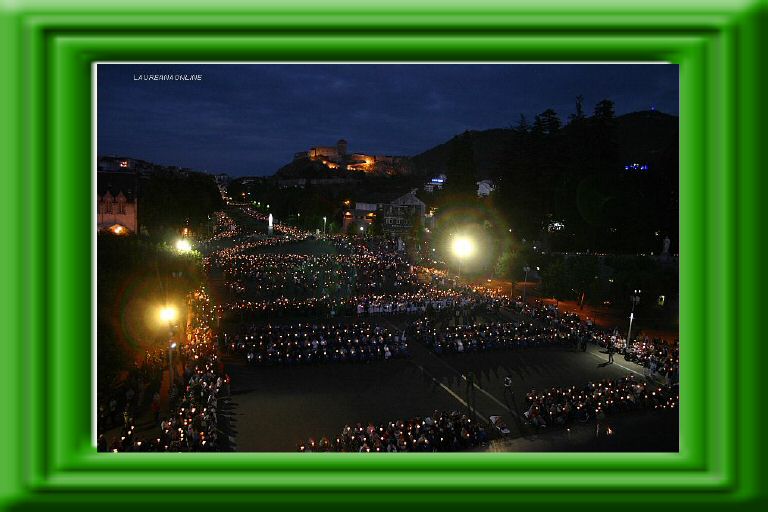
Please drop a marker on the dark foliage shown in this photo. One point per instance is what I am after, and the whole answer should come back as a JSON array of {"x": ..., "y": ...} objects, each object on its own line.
[
  {"x": 575, "y": 175},
  {"x": 171, "y": 199}
]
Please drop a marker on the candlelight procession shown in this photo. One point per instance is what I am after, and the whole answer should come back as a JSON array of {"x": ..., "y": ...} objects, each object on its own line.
[{"x": 337, "y": 343}]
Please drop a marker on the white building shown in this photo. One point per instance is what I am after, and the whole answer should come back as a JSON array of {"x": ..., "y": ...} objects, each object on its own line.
[
  {"x": 396, "y": 211},
  {"x": 435, "y": 183},
  {"x": 485, "y": 187}
]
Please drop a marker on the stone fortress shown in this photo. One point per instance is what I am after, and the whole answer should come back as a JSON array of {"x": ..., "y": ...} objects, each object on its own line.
[{"x": 337, "y": 157}]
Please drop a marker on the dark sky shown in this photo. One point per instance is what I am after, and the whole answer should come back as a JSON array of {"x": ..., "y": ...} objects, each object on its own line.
[{"x": 250, "y": 119}]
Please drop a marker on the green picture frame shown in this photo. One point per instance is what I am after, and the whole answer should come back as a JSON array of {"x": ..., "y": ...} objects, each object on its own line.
[{"x": 48, "y": 459}]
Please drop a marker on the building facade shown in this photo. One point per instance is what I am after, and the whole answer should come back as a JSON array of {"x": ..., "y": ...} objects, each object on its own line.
[
  {"x": 338, "y": 157},
  {"x": 435, "y": 183},
  {"x": 395, "y": 212},
  {"x": 485, "y": 187},
  {"x": 117, "y": 208}
]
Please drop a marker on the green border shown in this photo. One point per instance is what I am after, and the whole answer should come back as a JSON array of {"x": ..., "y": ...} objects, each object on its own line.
[{"x": 46, "y": 59}]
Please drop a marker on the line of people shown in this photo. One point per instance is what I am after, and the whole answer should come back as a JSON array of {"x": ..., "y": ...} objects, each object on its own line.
[
  {"x": 459, "y": 339},
  {"x": 442, "y": 432},
  {"x": 660, "y": 357},
  {"x": 561, "y": 405},
  {"x": 318, "y": 343},
  {"x": 193, "y": 424},
  {"x": 300, "y": 275}
]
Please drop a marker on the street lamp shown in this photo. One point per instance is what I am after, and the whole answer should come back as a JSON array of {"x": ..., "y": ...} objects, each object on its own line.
[
  {"x": 526, "y": 269},
  {"x": 183, "y": 245},
  {"x": 635, "y": 298},
  {"x": 169, "y": 314},
  {"x": 463, "y": 248}
]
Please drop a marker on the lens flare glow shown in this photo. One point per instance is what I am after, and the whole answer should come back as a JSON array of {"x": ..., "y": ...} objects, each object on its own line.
[
  {"x": 168, "y": 314},
  {"x": 463, "y": 247},
  {"x": 183, "y": 245}
]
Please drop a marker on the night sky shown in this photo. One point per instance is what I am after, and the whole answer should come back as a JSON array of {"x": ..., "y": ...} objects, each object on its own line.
[{"x": 250, "y": 119}]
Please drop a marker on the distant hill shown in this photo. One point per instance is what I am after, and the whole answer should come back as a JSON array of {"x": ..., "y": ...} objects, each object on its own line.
[
  {"x": 304, "y": 168},
  {"x": 309, "y": 168},
  {"x": 646, "y": 135},
  {"x": 639, "y": 136},
  {"x": 607, "y": 184},
  {"x": 598, "y": 183}
]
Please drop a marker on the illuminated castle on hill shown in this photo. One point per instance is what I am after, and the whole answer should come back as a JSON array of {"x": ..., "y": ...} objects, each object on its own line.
[{"x": 337, "y": 157}]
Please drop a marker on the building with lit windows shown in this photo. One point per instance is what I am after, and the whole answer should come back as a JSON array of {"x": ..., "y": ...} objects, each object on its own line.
[
  {"x": 117, "y": 208},
  {"x": 338, "y": 158},
  {"x": 395, "y": 211}
]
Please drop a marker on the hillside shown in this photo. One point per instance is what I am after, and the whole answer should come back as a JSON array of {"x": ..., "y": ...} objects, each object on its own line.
[
  {"x": 640, "y": 136},
  {"x": 609, "y": 184},
  {"x": 597, "y": 183}
]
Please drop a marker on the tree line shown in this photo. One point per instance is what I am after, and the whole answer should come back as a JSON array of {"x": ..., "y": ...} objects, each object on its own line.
[{"x": 566, "y": 184}]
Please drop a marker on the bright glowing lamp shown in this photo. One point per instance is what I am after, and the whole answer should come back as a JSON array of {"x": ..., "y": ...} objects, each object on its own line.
[
  {"x": 463, "y": 247},
  {"x": 183, "y": 245},
  {"x": 168, "y": 314}
]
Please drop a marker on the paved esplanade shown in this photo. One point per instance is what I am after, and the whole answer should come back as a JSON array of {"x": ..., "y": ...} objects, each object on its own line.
[{"x": 277, "y": 406}]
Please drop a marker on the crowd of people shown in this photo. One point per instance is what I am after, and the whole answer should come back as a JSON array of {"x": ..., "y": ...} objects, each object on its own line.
[
  {"x": 224, "y": 227},
  {"x": 365, "y": 278},
  {"x": 441, "y": 432},
  {"x": 543, "y": 325},
  {"x": 302, "y": 275},
  {"x": 474, "y": 337},
  {"x": 192, "y": 424},
  {"x": 561, "y": 406},
  {"x": 370, "y": 304},
  {"x": 278, "y": 227},
  {"x": 657, "y": 356},
  {"x": 317, "y": 343},
  {"x": 223, "y": 256},
  {"x": 124, "y": 399}
]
